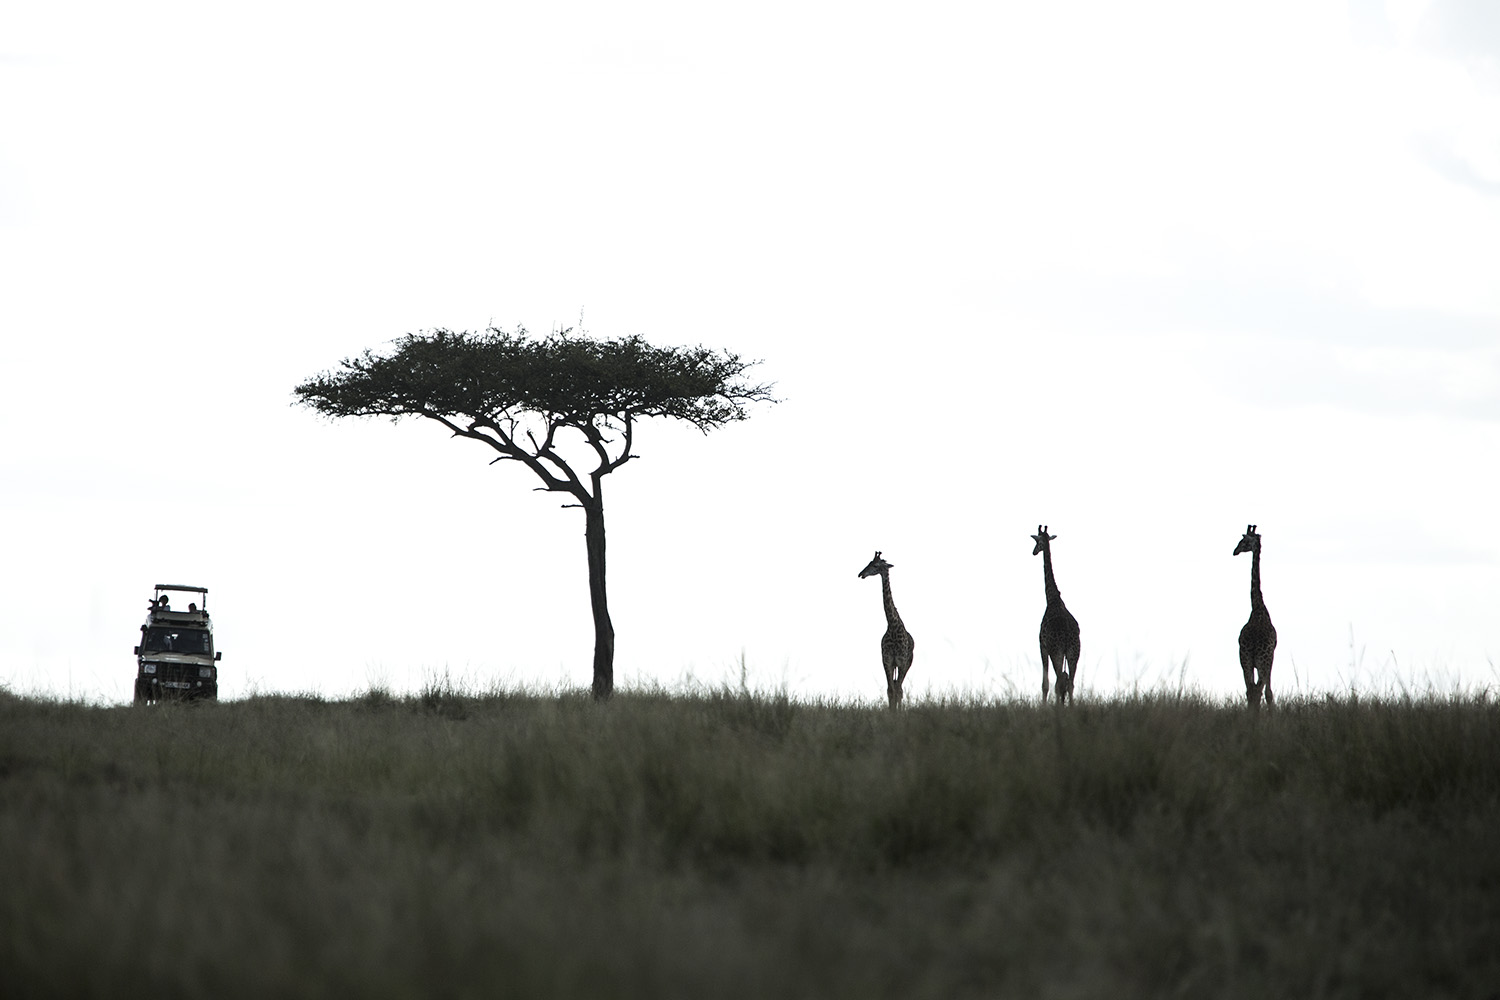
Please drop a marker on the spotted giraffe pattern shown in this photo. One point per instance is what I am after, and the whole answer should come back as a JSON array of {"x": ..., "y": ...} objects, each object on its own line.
[
  {"x": 1059, "y": 639},
  {"x": 1258, "y": 637},
  {"x": 896, "y": 646}
]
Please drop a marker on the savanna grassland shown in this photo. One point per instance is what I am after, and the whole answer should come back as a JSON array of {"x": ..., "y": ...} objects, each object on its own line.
[{"x": 729, "y": 845}]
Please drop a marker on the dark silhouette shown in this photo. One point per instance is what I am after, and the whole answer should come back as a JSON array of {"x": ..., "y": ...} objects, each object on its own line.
[
  {"x": 897, "y": 645},
  {"x": 1059, "y": 636},
  {"x": 1258, "y": 637},
  {"x": 522, "y": 395}
]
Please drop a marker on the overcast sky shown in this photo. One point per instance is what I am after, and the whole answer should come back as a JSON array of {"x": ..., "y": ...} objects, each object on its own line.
[{"x": 1144, "y": 272}]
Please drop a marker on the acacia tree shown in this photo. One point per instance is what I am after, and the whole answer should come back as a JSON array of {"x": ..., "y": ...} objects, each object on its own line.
[{"x": 525, "y": 396}]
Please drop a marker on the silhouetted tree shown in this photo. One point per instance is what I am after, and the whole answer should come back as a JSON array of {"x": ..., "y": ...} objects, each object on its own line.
[{"x": 521, "y": 395}]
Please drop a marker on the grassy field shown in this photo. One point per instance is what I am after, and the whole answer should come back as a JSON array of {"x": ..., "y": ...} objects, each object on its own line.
[{"x": 734, "y": 846}]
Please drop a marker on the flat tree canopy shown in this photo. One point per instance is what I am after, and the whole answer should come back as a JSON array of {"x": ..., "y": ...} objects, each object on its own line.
[{"x": 518, "y": 393}]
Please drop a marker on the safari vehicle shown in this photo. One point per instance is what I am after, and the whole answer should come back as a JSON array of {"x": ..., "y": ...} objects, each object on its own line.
[{"x": 176, "y": 656}]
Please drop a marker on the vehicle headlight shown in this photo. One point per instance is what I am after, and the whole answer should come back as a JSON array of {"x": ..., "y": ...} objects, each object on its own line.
[
  {"x": 205, "y": 671},
  {"x": 150, "y": 668}
]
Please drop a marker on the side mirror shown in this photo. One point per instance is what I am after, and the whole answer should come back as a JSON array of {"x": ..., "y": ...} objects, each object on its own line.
[
  {"x": 136, "y": 651},
  {"x": 218, "y": 657}
]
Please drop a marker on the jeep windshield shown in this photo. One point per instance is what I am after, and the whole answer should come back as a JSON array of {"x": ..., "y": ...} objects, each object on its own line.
[{"x": 176, "y": 640}]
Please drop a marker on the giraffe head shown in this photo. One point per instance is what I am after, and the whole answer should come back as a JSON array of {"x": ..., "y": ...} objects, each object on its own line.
[
  {"x": 877, "y": 565},
  {"x": 1251, "y": 541},
  {"x": 1042, "y": 539}
]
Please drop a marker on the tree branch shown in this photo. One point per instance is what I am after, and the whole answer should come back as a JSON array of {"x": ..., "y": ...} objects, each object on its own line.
[
  {"x": 596, "y": 441},
  {"x": 547, "y": 452},
  {"x": 504, "y": 443},
  {"x": 625, "y": 455}
]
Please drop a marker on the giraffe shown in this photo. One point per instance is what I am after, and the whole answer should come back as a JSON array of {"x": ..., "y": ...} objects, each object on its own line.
[
  {"x": 1059, "y": 635},
  {"x": 896, "y": 645},
  {"x": 1258, "y": 637}
]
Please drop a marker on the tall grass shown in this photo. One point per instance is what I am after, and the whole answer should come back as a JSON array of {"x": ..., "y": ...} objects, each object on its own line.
[{"x": 461, "y": 843}]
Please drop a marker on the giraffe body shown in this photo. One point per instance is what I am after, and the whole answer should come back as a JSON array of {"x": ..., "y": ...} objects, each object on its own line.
[
  {"x": 897, "y": 645},
  {"x": 1059, "y": 638},
  {"x": 1258, "y": 637}
]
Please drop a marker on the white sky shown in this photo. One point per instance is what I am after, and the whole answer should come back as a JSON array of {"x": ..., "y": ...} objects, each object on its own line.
[{"x": 1145, "y": 272}]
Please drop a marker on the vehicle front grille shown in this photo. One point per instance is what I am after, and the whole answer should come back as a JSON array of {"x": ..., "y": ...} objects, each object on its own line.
[{"x": 177, "y": 673}]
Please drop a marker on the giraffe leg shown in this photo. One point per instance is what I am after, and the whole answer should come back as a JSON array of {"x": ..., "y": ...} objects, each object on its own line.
[
  {"x": 905, "y": 668},
  {"x": 1062, "y": 683},
  {"x": 893, "y": 677},
  {"x": 908, "y": 653},
  {"x": 1247, "y": 666},
  {"x": 1074, "y": 651},
  {"x": 1045, "y": 678},
  {"x": 1265, "y": 678}
]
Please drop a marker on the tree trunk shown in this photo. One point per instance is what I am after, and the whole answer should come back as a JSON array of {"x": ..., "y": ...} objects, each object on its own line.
[{"x": 604, "y": 631}]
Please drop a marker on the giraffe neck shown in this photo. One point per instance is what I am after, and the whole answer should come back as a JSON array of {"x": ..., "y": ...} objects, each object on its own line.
[
  {"x": 1048, "y": 580},
  {"x": 892, "y": 618},
  {"x": 1256, "y": 601}
]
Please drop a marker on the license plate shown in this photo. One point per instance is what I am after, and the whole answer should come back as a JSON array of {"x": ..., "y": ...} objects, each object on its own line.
[{"x": 176, "y": 684}]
